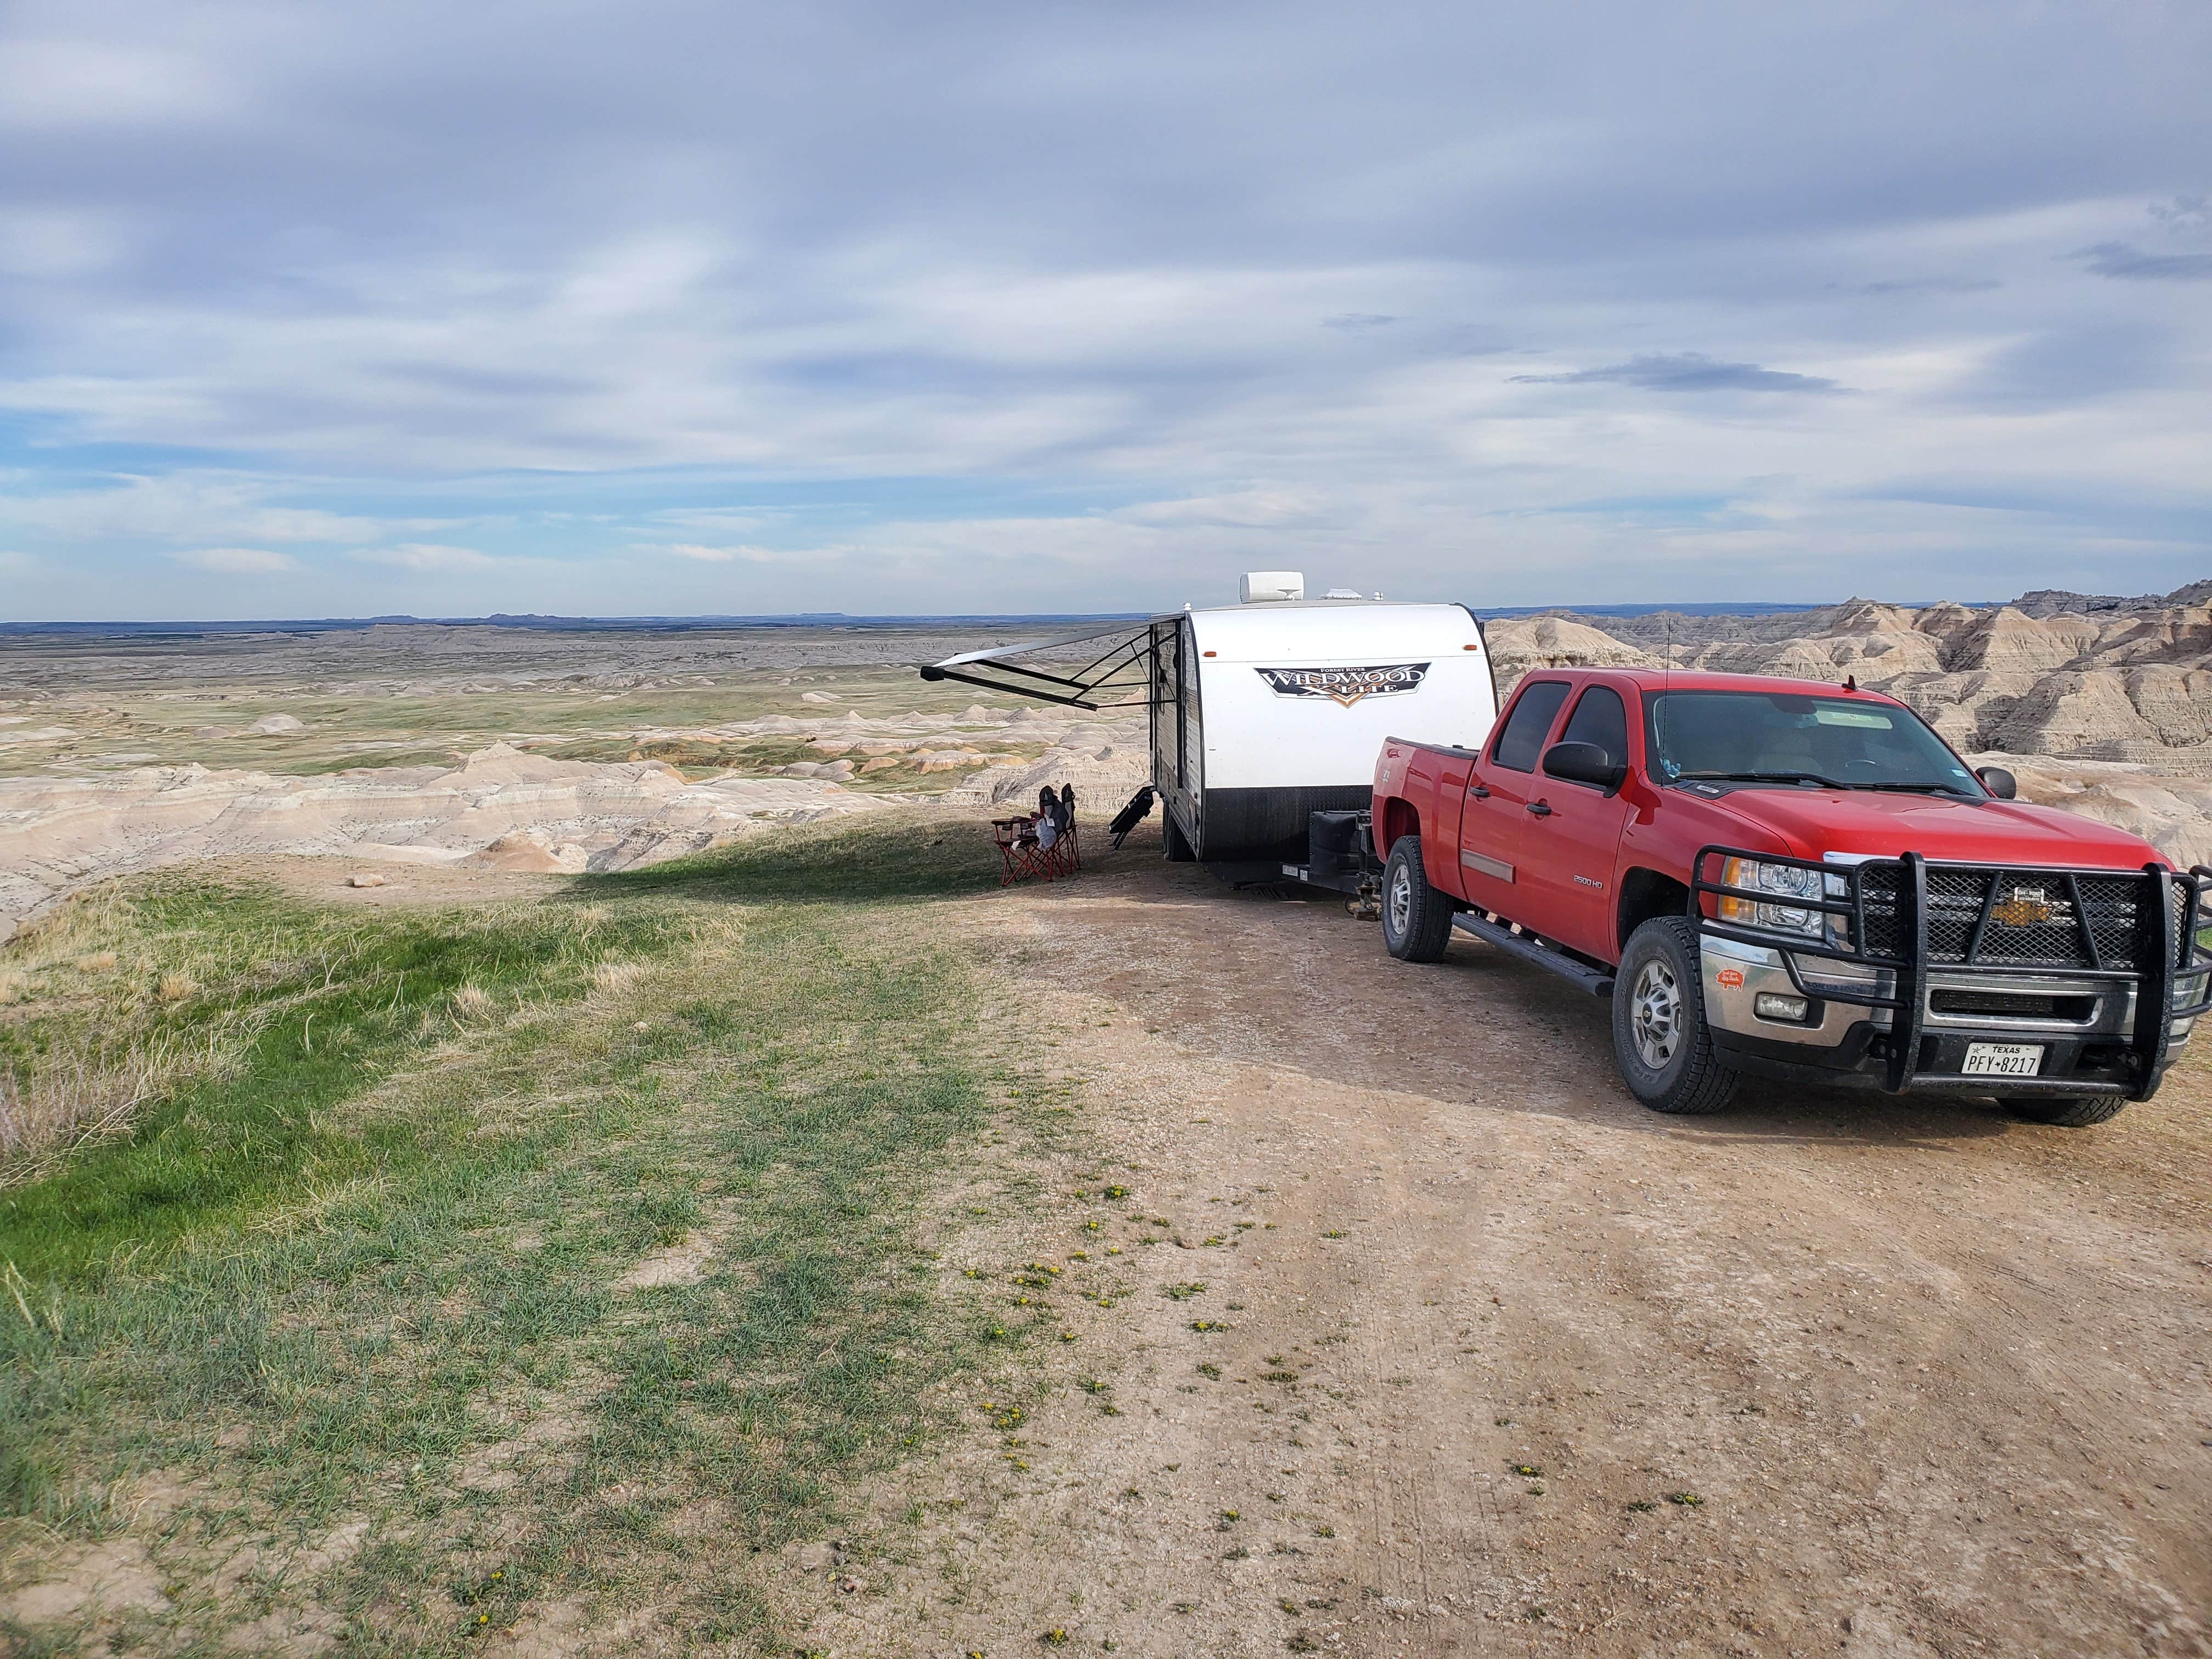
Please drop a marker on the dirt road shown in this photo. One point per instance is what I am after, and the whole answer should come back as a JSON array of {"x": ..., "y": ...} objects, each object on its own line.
[{"x": 1503, "y": 1363}]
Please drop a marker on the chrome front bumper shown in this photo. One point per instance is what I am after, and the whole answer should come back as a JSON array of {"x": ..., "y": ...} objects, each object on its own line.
[{"x": 2094, "y": 1019}]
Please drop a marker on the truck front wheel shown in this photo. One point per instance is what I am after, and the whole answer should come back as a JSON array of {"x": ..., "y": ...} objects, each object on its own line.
[
  {"x": 2066, "y": 1111},
  {"x": 1659, "y": 1038},
  {"x": 1417, "y": 920}
]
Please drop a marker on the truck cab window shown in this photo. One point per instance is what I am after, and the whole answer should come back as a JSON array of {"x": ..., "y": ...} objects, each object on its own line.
[
  {"x": 1602, "y": 719},
  {"x": 1796, "y": 739},
  {"x": 1522, "y": 739}
]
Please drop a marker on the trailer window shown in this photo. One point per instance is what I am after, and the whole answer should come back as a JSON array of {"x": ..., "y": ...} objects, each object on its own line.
[
  {"x": 1522, "y": 739},
  {"x": 1167, "y": 706},
  {"x": 1601, "y": 718}
]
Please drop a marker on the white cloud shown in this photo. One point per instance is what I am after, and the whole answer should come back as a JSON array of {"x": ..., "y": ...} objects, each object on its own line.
[
  {"x": 230, "y": 508},
  {"x": 57, "y": 84},
  {"x": 430, "y": 556},
  {"x": 240, "y": 561},
  {"x": 56, "y": 242},
  {"x": 697, "y": 553},
  {"x": 708, "y": 518}
]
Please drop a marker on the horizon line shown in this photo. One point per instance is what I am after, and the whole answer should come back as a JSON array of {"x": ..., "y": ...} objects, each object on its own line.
[{"x": 526, "y": 619}]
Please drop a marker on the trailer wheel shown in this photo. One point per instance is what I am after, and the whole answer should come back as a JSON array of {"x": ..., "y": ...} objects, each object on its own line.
[
  {"x": 1417, "y": 920},
  {"x": 1175, "y": 846},
  {"x": 2065, "y": 1111},
  {"x": 1659, "y": 1038}
]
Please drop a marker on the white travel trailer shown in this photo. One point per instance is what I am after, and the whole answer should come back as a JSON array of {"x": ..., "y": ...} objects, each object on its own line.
[{"x": 1267, "y": 713}]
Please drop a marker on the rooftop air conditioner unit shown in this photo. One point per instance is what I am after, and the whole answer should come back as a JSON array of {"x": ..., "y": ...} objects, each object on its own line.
[{"x": 1272, "y": 587}]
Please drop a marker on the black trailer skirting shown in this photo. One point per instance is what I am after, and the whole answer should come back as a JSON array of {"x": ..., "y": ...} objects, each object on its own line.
[{"x": 1268, "y": 824}]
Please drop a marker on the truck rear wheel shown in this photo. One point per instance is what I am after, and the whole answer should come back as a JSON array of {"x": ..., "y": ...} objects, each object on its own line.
[
  {"x": 2065, "y": 1111},
  {"x": 1417, "y": 920},
  {"x": 1659, "y": 1038}
]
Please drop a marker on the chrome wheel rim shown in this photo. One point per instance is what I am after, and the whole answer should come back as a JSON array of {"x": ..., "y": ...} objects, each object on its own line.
[
  {"x": 1401, "y": 900},
  {"x": 1654, "y": 1015}
]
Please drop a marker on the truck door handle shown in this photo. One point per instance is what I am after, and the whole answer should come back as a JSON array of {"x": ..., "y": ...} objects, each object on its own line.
[
  {"x": 1480, "y": 791},
  {"x": 1539, "y": 809}
]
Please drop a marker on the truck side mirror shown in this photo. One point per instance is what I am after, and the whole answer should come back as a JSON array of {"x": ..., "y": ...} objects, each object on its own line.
[
  {"x": 1998, "y": 781},
  {"x": 1584, "y": 763}
]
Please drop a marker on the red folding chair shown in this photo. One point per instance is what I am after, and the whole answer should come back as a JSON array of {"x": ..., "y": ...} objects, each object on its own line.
[{"x": 1023, "y": 856}]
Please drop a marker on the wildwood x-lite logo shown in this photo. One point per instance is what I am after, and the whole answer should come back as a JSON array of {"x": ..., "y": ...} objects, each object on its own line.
[{"x": 1345, "y": 686}]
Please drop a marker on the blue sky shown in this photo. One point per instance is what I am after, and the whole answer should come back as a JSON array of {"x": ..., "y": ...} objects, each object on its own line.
[{"x": 659, "y": 308}]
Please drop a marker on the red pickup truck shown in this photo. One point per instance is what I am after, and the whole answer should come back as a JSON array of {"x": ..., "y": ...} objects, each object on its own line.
[{"x": 1798, "y": 881}]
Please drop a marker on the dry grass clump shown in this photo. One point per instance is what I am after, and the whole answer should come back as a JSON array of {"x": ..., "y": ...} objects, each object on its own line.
[
  {"x": 614, "y": 977},
  {"x": 90, "y": 1087},
  {"x": 471, "y": 1002},
  {"x": 105, "y": 1032},
  {"x": 74, "y": 1099}
]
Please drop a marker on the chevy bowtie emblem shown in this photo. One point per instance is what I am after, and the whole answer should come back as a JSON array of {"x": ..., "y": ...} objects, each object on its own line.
[
  {"x": 2028, "y": 907},
  {"x": 1345, "y": 686}
]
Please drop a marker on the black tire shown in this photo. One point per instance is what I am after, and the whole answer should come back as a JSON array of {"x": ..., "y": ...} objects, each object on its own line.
[
  {"x": 1417, "y": 920},
  {"x": 2065, "y": 1111},
  {"x": 1661, "y": 1040},
  {"x": 1175, "y": 846}
]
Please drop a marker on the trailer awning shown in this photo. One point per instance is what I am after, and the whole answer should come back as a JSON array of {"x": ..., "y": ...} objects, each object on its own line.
[{"x": 1113, "y": 668}]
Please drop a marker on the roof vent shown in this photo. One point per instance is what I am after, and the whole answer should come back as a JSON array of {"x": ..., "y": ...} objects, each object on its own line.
[
  {"x": 1272, "y": 587},
  {"x": 1341, "y": 593}
]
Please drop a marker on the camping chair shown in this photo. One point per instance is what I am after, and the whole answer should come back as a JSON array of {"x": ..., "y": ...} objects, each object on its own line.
[{"x": 1023, "y": 855}]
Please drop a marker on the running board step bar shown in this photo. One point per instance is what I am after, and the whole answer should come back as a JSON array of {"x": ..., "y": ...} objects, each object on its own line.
[{"x": 1529, "y": 948}]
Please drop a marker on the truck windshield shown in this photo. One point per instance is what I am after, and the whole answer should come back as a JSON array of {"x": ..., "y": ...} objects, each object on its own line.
[{"x": 1784, "y": 738}]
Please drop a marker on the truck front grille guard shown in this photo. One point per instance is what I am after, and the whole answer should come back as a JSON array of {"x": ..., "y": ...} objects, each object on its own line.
[{"x": 2165, "y": 945}]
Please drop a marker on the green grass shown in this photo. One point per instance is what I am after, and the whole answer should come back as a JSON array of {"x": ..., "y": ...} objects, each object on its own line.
[
  {"x": 314, "y": 1007},
  {"x": 329, "y": 1284}
]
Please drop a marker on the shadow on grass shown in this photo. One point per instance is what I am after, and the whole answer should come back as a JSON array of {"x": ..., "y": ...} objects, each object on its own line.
[{"x": 888, "y": 855}]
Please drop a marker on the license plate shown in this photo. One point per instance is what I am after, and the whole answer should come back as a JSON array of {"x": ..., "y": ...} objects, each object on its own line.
[{"x": 2003, "y": 1059}]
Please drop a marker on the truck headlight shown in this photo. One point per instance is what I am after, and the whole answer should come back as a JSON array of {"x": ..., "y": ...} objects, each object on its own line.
[{"x": 1784, "y": 880}]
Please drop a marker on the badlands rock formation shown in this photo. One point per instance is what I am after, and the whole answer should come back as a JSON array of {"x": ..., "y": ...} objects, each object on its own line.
[
  {"x": 507, "y": 810},
  {"x": 501, "y": 810},
  {"x": 989, "y": 756},
  {"x": 1519, "y": 644}
]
